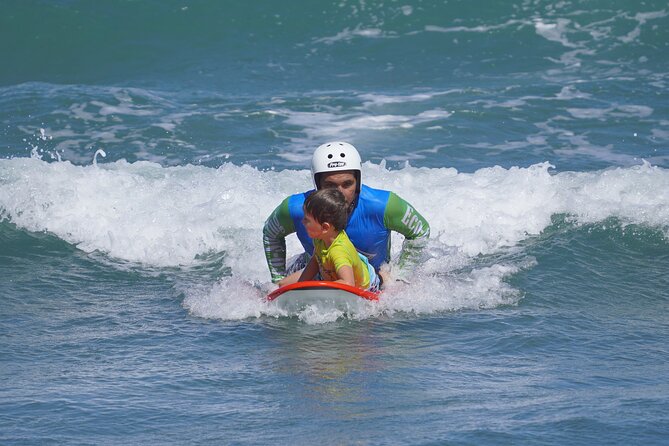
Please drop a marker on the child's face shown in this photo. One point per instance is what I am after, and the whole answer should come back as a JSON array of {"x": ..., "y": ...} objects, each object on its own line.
[{"x": 313, "y": 227}]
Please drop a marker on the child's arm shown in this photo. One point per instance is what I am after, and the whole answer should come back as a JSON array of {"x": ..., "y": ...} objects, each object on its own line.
[
  {"x": 310, "y": 270},
  {"x": 345, "y": 274}
]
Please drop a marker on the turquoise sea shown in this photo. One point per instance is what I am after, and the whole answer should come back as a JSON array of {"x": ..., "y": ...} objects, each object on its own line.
[{"x": 143, "y": 144}]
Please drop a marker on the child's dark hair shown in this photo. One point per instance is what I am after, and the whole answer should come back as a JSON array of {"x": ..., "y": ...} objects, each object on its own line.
[{"x": 328, "y": 206}]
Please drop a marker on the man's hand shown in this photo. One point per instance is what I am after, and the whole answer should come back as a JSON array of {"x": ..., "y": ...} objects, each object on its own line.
[{"x": 288, "y": 280}]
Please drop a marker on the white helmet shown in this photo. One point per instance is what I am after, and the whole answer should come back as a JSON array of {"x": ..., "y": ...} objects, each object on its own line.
[{"x": 335, "y": 156}]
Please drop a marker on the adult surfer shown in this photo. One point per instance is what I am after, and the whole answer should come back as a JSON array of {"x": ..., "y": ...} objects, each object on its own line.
[{"x": 373, "y": 214}]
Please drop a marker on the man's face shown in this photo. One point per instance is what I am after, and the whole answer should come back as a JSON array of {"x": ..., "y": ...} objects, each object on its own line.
[{"x": 344, "y": 181}]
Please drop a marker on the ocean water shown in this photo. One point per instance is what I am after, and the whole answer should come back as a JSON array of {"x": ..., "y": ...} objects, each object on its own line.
[{"x": 143, "y": 144}]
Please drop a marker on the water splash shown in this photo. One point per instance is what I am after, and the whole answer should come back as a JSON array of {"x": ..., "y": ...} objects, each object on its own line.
[
  {"x": 180, "y": 217},
  {"x": 95, "y": 157}
]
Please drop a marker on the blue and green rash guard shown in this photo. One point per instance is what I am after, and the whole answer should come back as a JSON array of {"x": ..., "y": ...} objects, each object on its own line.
[{"x": 376, "y": 213}]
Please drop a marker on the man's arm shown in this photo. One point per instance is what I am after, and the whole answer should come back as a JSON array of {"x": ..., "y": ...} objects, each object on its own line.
[
  {"x": 277, "y": 226},
  {"x": 401, "y": 217}
]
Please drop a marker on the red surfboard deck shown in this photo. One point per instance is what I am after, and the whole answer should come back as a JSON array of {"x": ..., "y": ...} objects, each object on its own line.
[{"x": 322, "y": 285}]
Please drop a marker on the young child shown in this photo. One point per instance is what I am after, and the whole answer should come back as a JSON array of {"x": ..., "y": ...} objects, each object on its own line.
[{"x": 334, "y": 256}]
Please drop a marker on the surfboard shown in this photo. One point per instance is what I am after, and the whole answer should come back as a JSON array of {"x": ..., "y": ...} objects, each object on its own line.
[{"x": 325, "y": 295}]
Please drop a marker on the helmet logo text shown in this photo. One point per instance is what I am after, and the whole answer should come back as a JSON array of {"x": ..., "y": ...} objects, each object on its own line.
[{"x": 336, "y": 164}]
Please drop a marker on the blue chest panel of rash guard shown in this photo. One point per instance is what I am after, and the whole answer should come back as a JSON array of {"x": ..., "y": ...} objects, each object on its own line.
[{"x": 365, "y": 227}]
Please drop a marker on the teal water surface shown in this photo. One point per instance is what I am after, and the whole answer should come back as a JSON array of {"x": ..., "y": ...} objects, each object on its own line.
[{"x": 143, "y": 144}]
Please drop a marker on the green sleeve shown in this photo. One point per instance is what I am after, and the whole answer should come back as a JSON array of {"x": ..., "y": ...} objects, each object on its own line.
[
  {"x": 277, "y": 226},
  {"x": 401, "y": 217}
]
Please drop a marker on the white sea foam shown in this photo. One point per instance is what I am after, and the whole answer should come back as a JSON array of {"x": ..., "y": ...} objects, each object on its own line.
[
  {"x": 348, "y": 34},
  {"x": 555, "y": 32},
  {"x": 110, "y": 115},
  {"x": 177, "y": 216},
  {"x": 661, "y": 134},
  {"x": 620, "y": 111},
  {"x": 570, "y": 92},
  {"x": 567, "y": 93},
  {"x": 371, "y": 99},
  {"x": 323, "y": 126},
  {"x": 579, "y": 145},
  {"x": 641, "y": 19},
  {"x": 474, "y": 29}
]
